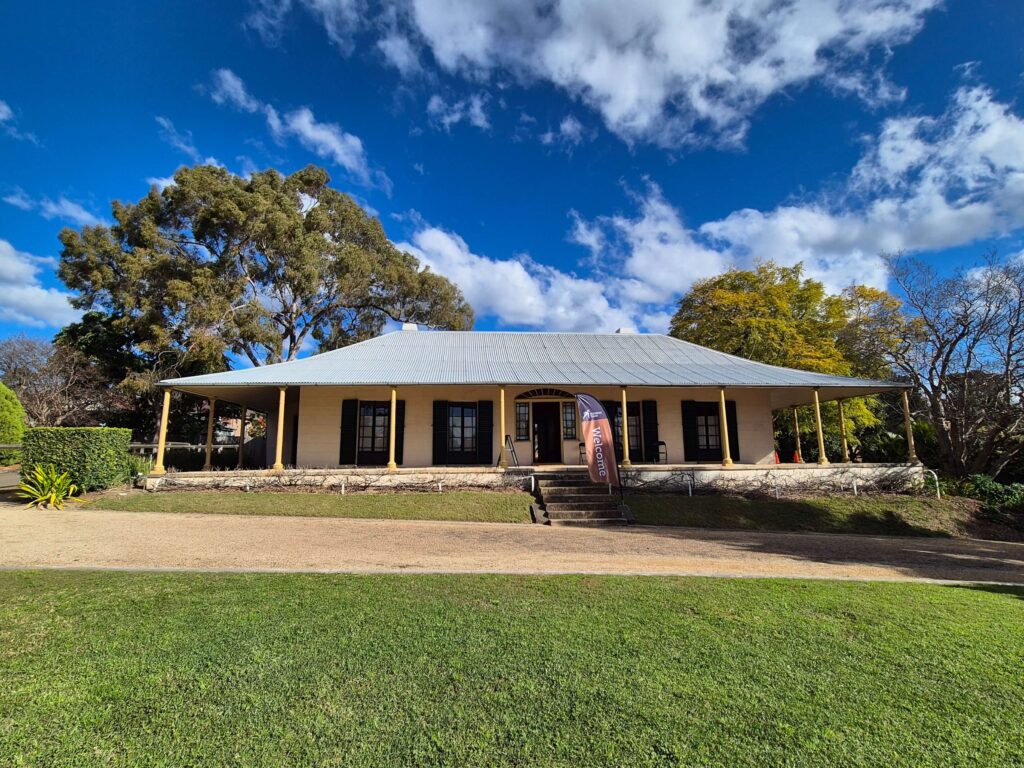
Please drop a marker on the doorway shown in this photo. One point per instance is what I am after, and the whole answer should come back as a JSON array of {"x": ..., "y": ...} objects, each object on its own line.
[{"x": 547, "y": 433}]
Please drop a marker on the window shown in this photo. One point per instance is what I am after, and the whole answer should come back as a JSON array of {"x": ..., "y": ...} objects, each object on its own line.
[
  {"x": 522, "y": 421},
  {"x": 708, "y": 432},
  {"x": 634, "y": 430},
  {"x": 373, "y": 426},
  {"x": 461, "y": 428},
  {"x": 568, "y": 421}
]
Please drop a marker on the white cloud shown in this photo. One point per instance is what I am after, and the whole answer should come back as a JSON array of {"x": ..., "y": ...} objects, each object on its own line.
[
  {"x": 23, "y": 299},
  {"x": 924, "y": 183},
  {"x": 471, "y": 109},
  {"x": 182, "y": 141},
  {"x": 8, "y": 123},
  {"x": 399, "y": 52},
  {"x": 62, "y": 208},
  {"x": 657, "y": 256},
  {"x": 662, "y": 70},
  {"x": 228, "y": 88},
  {"x": 68, "y": 210},
  {"x": 19, "y": 199},
  {"x": 517, "y": 292},
  {"x": 671, "y": 72},
  {"x": 569, "y": 132},
  {"x": 326, "y": 140},
  {"x": 160, "y": 182}
]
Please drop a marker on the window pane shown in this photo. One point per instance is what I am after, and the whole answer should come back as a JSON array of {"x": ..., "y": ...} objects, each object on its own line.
[
  {"x": 462, "y": 428},
  {"x": 568, "y": 421},
  {"x": 522, "y": 421}
]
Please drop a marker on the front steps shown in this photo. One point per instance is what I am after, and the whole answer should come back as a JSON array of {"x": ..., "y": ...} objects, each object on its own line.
[{"x": 570, "y": 498}]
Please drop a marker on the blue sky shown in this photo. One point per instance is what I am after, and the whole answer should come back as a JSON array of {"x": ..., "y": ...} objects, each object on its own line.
[{"x": 572, "y": 166}]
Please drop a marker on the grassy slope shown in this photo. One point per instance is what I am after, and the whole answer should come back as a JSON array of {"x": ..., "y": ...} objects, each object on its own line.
[
  {"x": 192, "y": 669},
  {"x": 512, "y": 507},
  {"x": 890, "y": 514}
]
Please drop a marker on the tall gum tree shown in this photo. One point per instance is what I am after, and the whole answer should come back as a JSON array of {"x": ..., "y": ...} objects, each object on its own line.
[{"x": 264, "y": 267}]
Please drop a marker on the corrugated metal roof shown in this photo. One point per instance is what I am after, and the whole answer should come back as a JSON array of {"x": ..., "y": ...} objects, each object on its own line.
[{"x": 508, "y": 357}]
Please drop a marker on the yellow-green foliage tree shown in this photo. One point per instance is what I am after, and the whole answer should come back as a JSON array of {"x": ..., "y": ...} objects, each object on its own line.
[
  {"x": 776, "y": 315},
  {"x": 12, "y": 424}
]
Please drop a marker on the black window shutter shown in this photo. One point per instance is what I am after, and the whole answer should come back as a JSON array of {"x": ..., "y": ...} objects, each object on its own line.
[
  {"x": 734, "y": 430},
  {"x": 399, "y": 431},
  {"x": 349, "y": 425},
  {"x": 650, "y": 427},
  {"x": 440, "y": 433},
  {"x": 690, "y": 450},
  {"x": 485, "y": 432}
]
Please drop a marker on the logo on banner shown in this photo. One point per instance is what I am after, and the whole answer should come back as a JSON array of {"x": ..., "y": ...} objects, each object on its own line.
[{"x": 597, "y": 437}]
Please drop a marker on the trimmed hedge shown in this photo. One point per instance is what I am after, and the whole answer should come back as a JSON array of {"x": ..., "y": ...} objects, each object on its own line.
[
  {"x": 93, "y": 457},
  {"x": 12, "y": 424}
]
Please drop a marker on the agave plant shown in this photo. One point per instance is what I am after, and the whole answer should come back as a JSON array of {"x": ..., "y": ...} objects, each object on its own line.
[{"x": 47, "y": 488}]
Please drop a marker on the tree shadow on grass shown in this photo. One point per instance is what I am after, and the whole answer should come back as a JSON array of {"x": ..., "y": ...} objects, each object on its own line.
[
  {"x": 997, "y": 589},
  {"x": 809, "y": 534},
  {"x": 751, "y": 514}
]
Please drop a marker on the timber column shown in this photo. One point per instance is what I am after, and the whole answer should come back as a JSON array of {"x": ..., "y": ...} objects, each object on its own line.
[
  {"x": 908, "y": 424},
  {"x": 502, "y": 455},
  {"x": 822, "y": 458},
  {"x": 723, "y": 418},
  {"x": 208, "y": 464},
  {"x": 392, "y": 466},
  {"x": 279, "y": 442},
  {"x": 842, "y": 434},
  {"x": 161, "y": 441},
  {"x": 625, "y": 432},
  {"x": 241, "y": 437},
  {"x": 799, "y": 457}
]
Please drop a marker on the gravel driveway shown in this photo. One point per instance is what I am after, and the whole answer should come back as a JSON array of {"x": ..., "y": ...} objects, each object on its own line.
[{"x": 93, "y": 538}]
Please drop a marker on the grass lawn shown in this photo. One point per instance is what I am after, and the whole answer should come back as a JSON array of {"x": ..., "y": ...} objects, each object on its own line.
[
  {"x": 476, "y": 506},
  {"x": 119, "y": 669},
  {"x": 887, "y": 515}
]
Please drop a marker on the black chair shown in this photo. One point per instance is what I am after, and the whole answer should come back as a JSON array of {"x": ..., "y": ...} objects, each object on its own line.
[{"x": 583, "y": 453}]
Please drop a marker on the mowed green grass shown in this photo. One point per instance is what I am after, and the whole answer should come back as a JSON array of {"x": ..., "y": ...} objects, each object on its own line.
[
  {"x": 476, "y": 506},
  {"x": 890, "y": 514},
  {"x": 118, "y": 669}
]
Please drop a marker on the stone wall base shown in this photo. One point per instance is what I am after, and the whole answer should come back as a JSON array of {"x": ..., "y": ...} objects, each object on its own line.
[{"x": 764, "y": 479}]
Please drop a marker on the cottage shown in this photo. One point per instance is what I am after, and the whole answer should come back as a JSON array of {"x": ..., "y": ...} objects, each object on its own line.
[{"x": 419, "y": 399}]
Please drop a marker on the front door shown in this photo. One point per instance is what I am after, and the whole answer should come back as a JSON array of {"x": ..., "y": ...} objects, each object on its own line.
[
  {"x": 547, "y": 433},
  {"x": 374, "y": 430}
]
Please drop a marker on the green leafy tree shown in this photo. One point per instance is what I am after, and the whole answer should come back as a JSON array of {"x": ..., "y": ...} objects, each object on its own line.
[
  {"x": 262, "y": 267},
  {"x": 12, "y": 424},
  {"x": 773, "y": 314}
]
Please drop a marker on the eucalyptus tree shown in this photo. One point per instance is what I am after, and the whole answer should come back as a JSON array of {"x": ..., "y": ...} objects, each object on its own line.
[{"x": 264, "y": 267}]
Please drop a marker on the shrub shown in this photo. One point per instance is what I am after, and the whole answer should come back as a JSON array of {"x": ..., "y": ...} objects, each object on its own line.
[
  {"x": 47, "y": 488},
  {"x": 12, "y": 424},
  {"x": 136, "y": 466},
  {"x": 93, "y": 457},
  {"x": 1003, "y": 502}
]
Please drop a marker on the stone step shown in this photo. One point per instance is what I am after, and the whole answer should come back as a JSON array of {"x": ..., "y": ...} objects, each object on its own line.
[
  {"x": 576, "y": 482},
  {"x": 609, "y": 507},
  {"x": 579, "y": 490},
  {"x": 585, "y": 514},
  {"x": 586, "y": 501},
  {"x": 590, "y": 523}
]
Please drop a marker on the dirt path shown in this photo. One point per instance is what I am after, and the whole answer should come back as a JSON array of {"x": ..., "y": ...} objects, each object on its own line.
[{"x": 99, "y": 539}]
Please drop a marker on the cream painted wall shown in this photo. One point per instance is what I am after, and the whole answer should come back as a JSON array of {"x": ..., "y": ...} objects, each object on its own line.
[{"x": 320, "y": 420}]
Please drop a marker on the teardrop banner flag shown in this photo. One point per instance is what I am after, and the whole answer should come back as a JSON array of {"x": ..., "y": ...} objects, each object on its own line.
[{"x": 599, "y": 439}]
